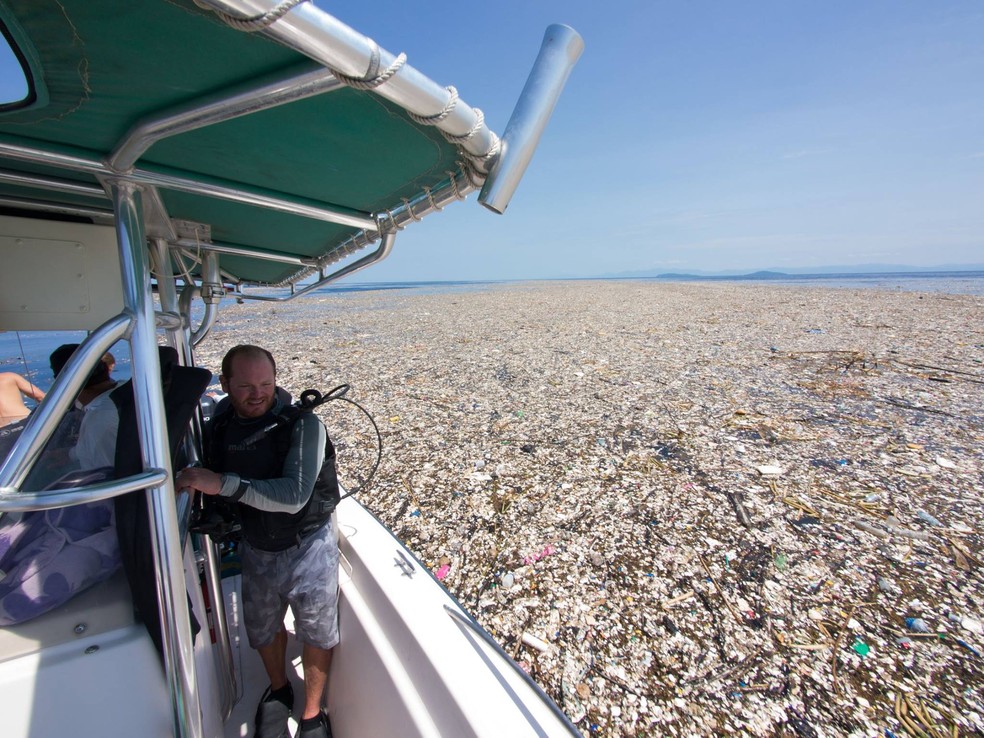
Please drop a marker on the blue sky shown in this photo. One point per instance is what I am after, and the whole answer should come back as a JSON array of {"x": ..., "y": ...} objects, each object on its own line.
[
  {"x": 706, "y": 135},
  {"x": 713, "y": 135}
]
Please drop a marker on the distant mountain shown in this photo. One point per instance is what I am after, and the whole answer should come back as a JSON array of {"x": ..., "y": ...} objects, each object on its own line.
[
  {"x": 736, "y": 275},
  {"x": 779, "y": 273}
]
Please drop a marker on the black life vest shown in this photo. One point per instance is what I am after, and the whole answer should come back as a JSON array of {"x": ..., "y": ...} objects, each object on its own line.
[{"x": 257, "y": 450}]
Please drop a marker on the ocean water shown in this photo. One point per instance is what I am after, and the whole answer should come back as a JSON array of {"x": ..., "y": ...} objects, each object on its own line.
[
  {"x": 958, "y": 283},
  {"x": 27, "y": 352},
  {"x": 964, "y": 283}
]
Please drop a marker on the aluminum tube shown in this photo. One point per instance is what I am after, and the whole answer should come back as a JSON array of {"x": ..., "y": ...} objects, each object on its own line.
[
  {"x": 168, "y": 294},
  {"x": 180, "y": 340},
  {"x": 13, "y": 499},
  {"x": 18, "y": 152},
  {"x": 52, "y": 184},
  {"x": 213, "y": 580},
  {"x": 559, "y": 52},
  {"x": 160, "y": 258},
  {"x": 161, "y": 264},
  {"x": 211, "y": 291},
  {"x": 318, "y": 35},
  {"x": 249, "y": 197},
  {"x": 49, "y": 207},
  {"x": 189, "y": 293},
  {"x": 384, "y": 249},
  {"x": 43, "y": 422},
  {"x": 179, "y": 662},
  {"x": 266, "y": 94},
  {"x": 183, "y": 184},
  {"x": 413, "y": 210},
  {"x": 227, "y": 248}
]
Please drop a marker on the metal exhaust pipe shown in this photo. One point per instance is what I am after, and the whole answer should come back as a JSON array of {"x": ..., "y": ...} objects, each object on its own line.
[{"x": 559, "y": 52}]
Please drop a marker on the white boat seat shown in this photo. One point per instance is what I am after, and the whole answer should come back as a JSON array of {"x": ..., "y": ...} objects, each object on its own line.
[{"x": 102, "y": 608}]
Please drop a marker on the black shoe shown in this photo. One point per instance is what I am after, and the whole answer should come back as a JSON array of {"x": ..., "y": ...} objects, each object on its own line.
[
  {"x": 272, "y": 713},
  {"x": 322, "y": 729}
]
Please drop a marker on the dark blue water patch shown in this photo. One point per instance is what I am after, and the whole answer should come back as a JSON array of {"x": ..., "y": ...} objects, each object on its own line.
[{"x": 27, "y": 352}]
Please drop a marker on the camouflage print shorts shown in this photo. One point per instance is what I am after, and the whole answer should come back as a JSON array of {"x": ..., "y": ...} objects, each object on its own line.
[{"x": 304, "y": 577}]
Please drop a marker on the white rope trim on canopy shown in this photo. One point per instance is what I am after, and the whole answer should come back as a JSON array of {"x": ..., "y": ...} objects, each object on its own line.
[
  {"x": 476, "y": 166},
  {"x": 255, "y": 23}
]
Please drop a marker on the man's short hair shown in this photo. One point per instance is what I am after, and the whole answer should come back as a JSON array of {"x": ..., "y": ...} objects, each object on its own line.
[
  {"x": 60, "y": 356},
  {"x": 248, "y": 350}
]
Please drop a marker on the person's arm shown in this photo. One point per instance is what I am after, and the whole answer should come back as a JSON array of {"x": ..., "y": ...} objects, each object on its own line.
[
  {"x": 27, "y": 389},
  {"x": 288, "y": 493}
]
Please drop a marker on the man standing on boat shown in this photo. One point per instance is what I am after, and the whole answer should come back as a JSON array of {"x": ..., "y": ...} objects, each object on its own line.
[{"x": 276, "y": 463}]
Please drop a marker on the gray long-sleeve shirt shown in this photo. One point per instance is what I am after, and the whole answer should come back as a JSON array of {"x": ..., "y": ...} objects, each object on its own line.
[{"x": 290, "y": 492}]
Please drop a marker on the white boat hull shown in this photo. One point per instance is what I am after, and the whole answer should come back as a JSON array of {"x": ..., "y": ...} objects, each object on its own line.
[{"x": 405, "y": 666}]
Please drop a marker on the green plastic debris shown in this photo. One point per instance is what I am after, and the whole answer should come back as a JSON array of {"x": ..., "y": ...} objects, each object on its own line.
[
  {"x": 861, "y": 647},
  {"x": 780, "y": 562}
]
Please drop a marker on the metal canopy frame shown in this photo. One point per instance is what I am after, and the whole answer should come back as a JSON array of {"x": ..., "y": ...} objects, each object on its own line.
[{"x": 341, "y": 58}]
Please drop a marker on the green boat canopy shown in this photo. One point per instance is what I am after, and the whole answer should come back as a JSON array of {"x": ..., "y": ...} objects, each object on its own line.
[{"x": 241, "y": 144}]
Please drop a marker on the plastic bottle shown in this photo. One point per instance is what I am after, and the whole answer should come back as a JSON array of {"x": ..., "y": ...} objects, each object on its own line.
[
  {"x": 929, "y": 519},
  {"x": 916, "y": 625}
]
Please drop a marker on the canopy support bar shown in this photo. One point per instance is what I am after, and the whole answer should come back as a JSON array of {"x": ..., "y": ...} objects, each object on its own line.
[
  {"x": 318, "y": 35},
  {"x": 381, "y": 252},
  {"x": 232, "y": 250},
  {"x": 52, "y": 184},
  {"x": 226, "y": 191},
  {"x": 165, "y": 537},
  {"x": 49, "y": 207},
  {"x": 457, "y": 187},
  {"x": 270, "y": 93}
]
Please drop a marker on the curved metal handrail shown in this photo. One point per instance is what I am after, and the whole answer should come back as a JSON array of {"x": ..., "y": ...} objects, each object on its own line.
[
  {"x": 14, "y": 500},
  {"x": 382, "y": 251}
]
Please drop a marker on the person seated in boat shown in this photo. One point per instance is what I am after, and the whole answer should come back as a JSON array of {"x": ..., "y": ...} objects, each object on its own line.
[
  {"x": 49, "y": 556},
  {"x": 277, "y": 464},
  {"x": 60, "y": 456},
  {"x": 69, "y": 447},
  {"x": 13, "y": 388},
  {"x": 96, "y": 442}
]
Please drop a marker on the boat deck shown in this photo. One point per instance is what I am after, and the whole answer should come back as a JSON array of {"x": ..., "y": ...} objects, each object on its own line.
[{"x": 251, "y": 679}]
